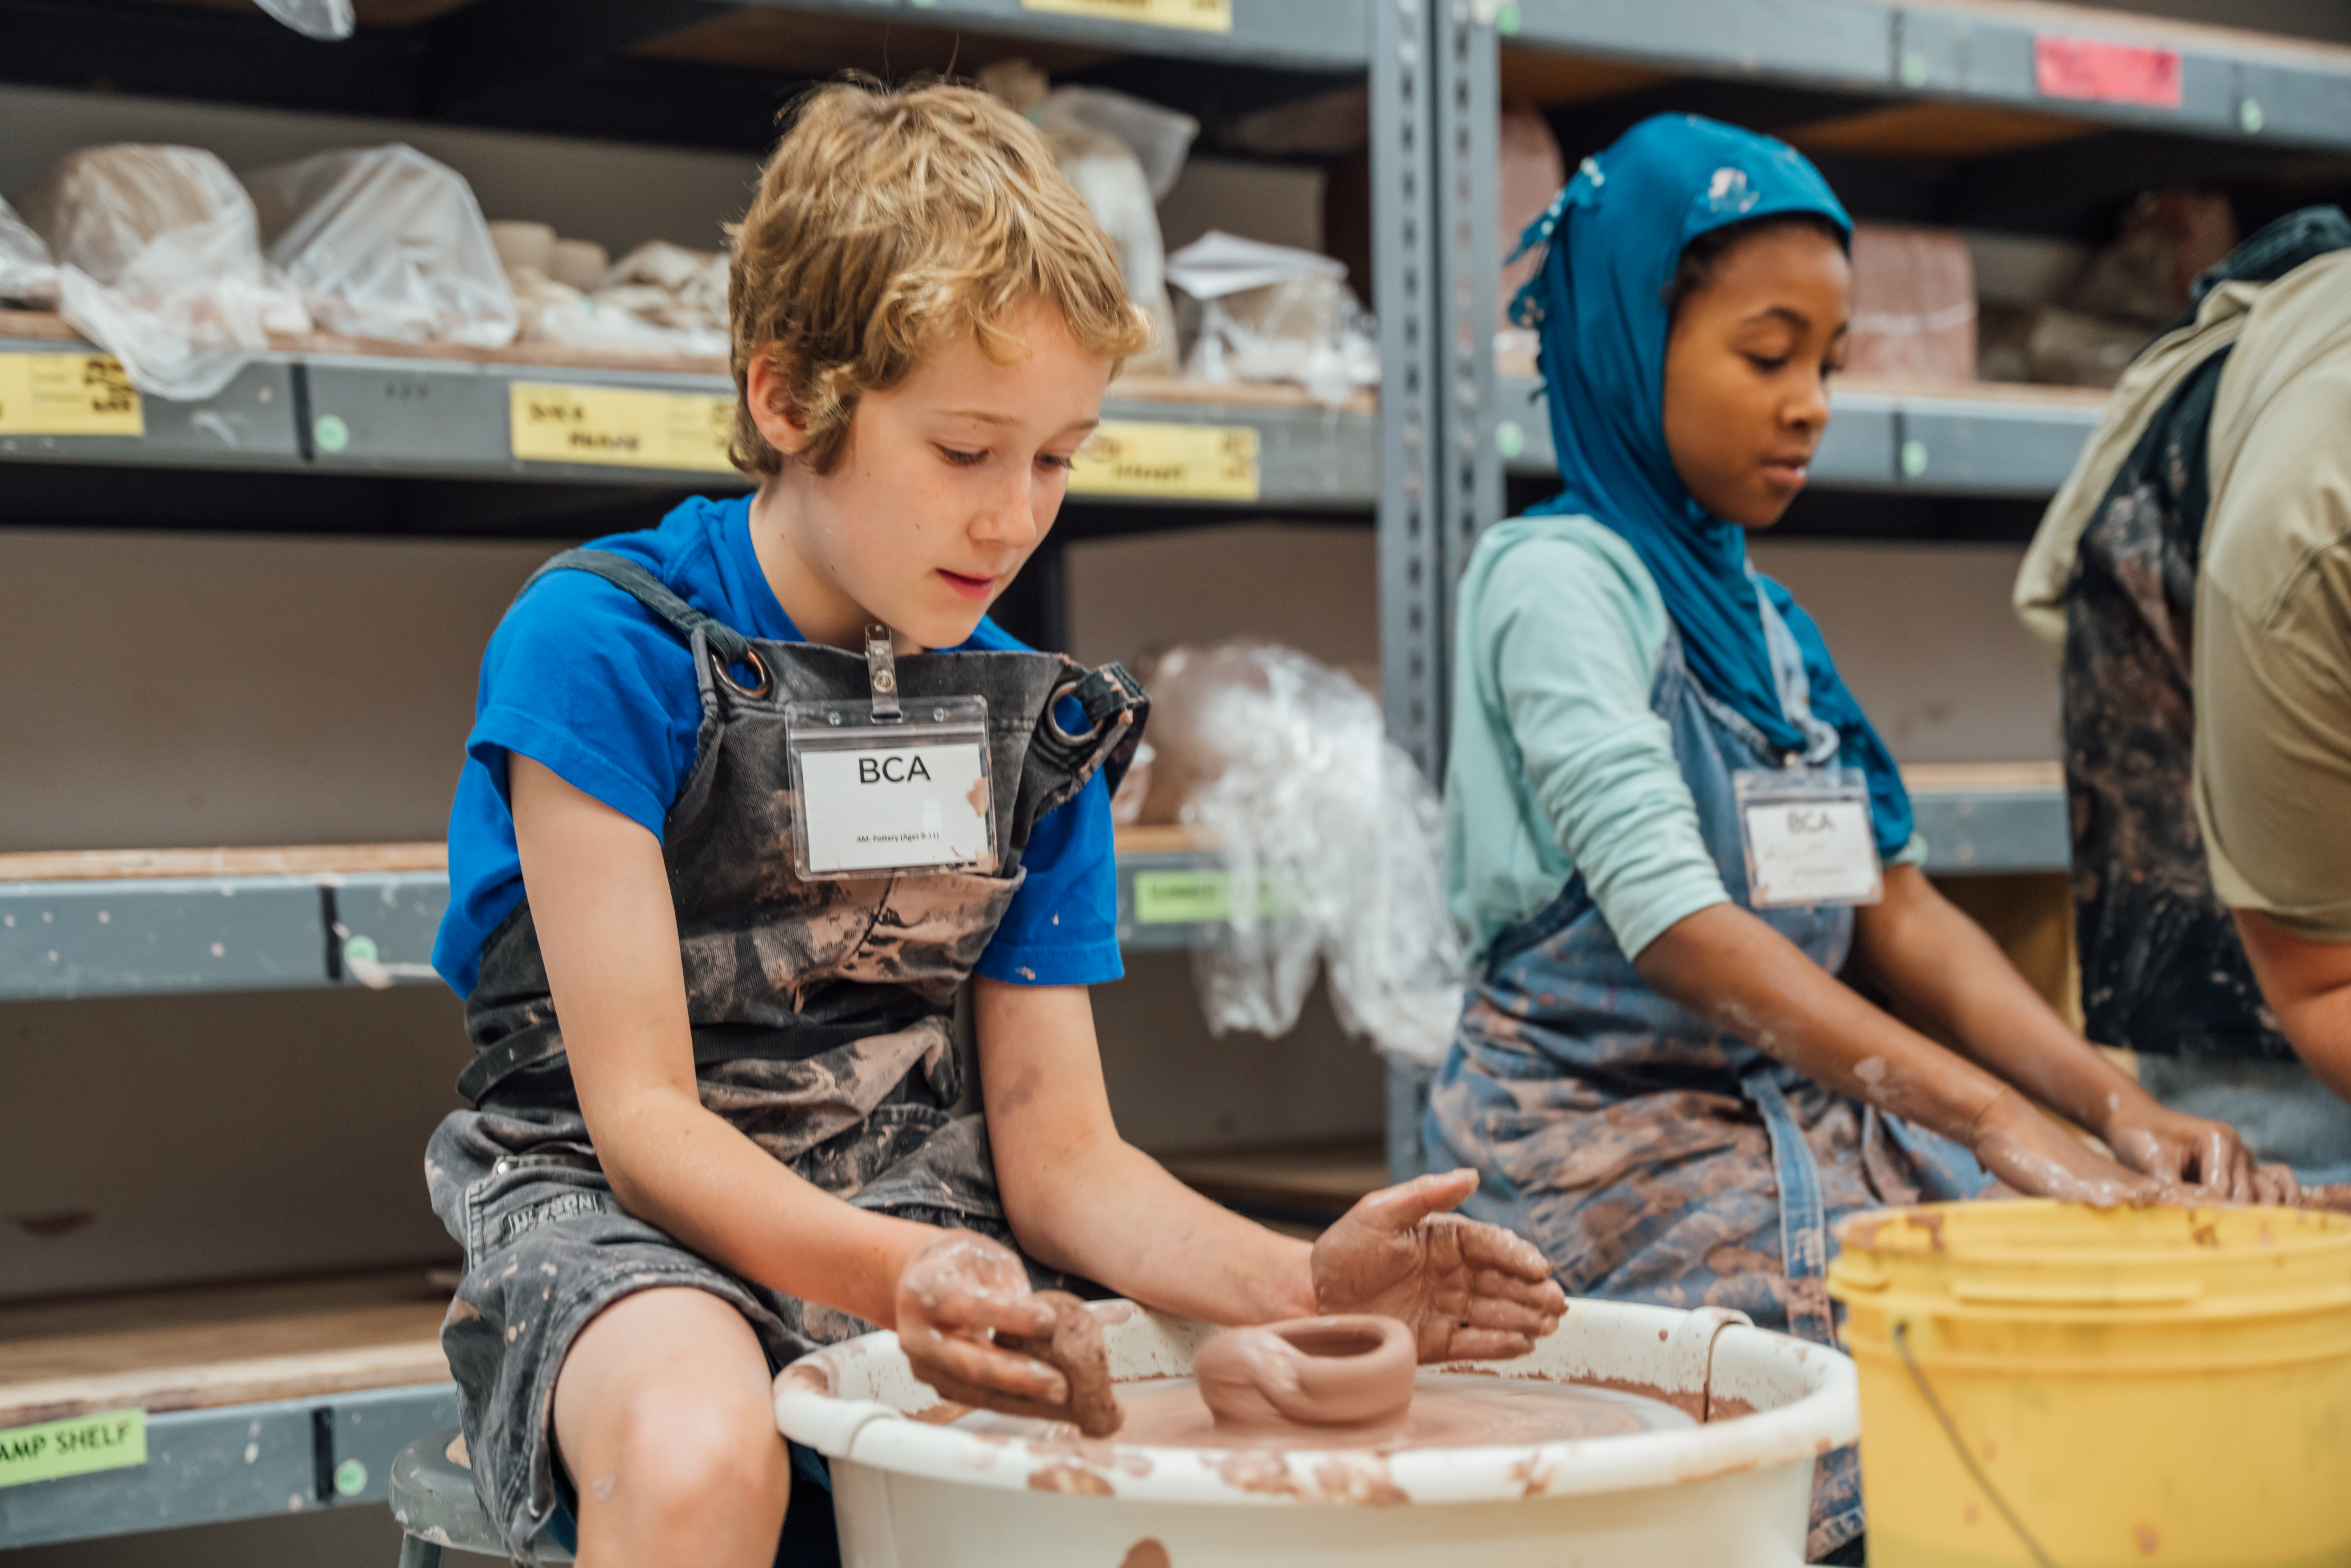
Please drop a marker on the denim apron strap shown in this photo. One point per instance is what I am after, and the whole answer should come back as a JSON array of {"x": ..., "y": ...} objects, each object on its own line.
[
  {"x": 653, "y": 594},
  {"x": 1803, "y": 1218}
]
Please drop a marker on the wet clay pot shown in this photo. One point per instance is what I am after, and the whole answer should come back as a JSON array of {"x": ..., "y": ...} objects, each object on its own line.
[{"x": 1338, "y": 1372}]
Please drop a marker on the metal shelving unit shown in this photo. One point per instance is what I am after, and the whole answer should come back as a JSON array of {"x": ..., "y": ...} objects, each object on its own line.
[
  {"x": 395, "y": 415},
  {"x": 224, "y": 1402},
  {"x": 1940, "y": 441},
  {"x": 333, "y": 411}
]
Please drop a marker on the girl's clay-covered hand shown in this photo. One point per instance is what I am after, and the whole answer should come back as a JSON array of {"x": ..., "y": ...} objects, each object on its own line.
[
  {"x": 951, "y": 1296},
  {"x": 2038, "y": 1158},
  {"x": 1467, "y": 1290},
  {"x": 2147, "y": 1136}
]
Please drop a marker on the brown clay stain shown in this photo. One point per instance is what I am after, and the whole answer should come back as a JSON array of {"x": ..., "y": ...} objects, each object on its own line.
[
  {"x": 1070, "y": 1480},
  {"x": 1532, "y": 1476},
  {"x": 1257, "y": 1470},
  {"x": 1860, "y": 1232},
  {"x": 1365, "y": 1480},
  {"x": 1145, "y": 1553},
  {"x": 811, "y": 1378},
  {"x": 1932, "y": 1223},
  {"x": 1087, "y": 1454},
  {"x": 2147, "y": 1539},
  {"x": 979, "y": 796},
  {"x": 945, "y": 1413}
]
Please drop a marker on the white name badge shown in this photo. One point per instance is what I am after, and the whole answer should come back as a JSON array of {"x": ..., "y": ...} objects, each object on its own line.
[
  {"x": 875, "y": 794},
  {"x": 1808, "y": 837}
]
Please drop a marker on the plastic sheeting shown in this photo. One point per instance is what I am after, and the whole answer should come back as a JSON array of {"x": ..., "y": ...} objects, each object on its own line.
[
  {"x": 1271, "y": 313},
  {"x": 1160, "y": 139},
  {"x": 159, "y": 262},
  {"x": 1334, "y": 839},
  {"x": 383, "y": 242},
  {"x": 660, "y": 298},
  {"x": 28, "y": 276}
]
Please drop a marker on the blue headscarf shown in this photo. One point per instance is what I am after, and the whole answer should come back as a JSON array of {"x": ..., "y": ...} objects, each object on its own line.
[{"x": 1610, "y": 243}]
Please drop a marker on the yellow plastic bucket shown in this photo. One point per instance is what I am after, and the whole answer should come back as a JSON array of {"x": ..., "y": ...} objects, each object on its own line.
[{"x": 2051, "y": 1383}]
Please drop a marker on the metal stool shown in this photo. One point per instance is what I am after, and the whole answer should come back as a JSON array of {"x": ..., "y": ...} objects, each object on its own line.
[{"x": 434, "y": 1502}]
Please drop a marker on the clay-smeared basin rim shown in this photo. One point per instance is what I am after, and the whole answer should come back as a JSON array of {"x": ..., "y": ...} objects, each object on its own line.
[{"x": 1801, "y": 1396}]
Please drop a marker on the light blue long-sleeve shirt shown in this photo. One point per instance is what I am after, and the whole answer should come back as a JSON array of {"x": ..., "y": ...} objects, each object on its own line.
[{"x": 1557, "y": 763}]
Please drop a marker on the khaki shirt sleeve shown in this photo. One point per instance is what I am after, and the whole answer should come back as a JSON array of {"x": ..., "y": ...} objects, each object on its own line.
[{"x": 2273, "y": 667}]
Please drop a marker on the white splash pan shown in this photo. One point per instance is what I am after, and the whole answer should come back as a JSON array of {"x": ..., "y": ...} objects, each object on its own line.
[{"x": 1733, "y": 1492}]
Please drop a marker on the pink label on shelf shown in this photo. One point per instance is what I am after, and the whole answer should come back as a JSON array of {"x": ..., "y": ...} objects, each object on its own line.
[{"x": 2106, "y": 73}]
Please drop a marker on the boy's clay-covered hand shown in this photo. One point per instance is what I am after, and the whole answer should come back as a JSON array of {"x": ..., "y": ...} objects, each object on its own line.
[
  {"x": 1467, "y": 1290},
  {"x": 951, "y": 1294}
]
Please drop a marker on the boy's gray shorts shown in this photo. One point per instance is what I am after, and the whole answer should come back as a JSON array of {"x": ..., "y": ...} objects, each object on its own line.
[{"x": 548, "y": 1246}]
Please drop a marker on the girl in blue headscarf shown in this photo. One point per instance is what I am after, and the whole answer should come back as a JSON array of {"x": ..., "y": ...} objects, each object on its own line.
[{"x": 1668, "y": 825}]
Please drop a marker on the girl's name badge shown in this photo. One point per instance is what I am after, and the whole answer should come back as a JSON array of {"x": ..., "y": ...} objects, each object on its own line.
[
  {"x": 881, "y": 788},
  {"x": 1808, "y": 837}
]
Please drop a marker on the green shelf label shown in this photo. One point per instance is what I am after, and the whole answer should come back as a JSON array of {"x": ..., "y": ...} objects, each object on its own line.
[
  {"x": 1197, "y": 898},
  {"x": 110, "y": 1441}
]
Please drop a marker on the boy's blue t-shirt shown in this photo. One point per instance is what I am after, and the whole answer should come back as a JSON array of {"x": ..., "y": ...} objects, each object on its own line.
[{"x": 585, "y": 680}]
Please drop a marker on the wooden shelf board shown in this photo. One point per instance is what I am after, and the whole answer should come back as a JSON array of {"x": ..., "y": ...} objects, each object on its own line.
[
  {"x": 1937, "y": 129},
  {"x": 201, "y": 1347},
  {"x": 1983, "y": 778},
  {"x": 330, "y": 860},
  {"x": 298, "y": 860},
  {"x": 41, "y": 326}
]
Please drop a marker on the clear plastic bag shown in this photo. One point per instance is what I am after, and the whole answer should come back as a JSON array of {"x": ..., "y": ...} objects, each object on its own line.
[
  {"x": 1110, "y": 177},
  {"x": 660, "y": 298},
  {"x": 1271, "y": 313},
  {"x": 383, "y": 242},
  {"x": 670, "y": 285},
  {"x": 159, "y": 262},
  {"x": 1160, "y": 139},
  {"x": 329, "y": 20},
  {"x": 1334, "y": 839},
  {"x": 28, "y": 276}
]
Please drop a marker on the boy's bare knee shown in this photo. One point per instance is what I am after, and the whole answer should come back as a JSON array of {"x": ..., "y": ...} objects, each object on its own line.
[{"x": 681, "y": 1453}]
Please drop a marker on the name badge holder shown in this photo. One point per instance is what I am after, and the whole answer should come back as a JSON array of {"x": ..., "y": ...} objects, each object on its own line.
[
  {"x": 1808, "y": 836},
  {"x": 885, "y": 788}
]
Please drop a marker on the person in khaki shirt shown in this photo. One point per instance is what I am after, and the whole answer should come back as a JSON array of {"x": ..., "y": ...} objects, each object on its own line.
[
  {"x": 2272, "y": 658},
  {"x": 2194, "y": 577}
]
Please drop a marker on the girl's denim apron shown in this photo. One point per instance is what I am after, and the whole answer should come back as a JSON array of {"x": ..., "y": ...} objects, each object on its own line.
[{"x": 1651, "y": 1156}]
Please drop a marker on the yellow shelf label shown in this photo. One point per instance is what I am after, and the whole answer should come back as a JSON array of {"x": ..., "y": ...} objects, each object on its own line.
[
  {"x": 67, "y": 394},
  {"x": 1193, "y": 15},
  {"x": 110, "y": 1441},
  {"x": 620, "y": 428},
  {"x": 1188, "y": 462}
]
